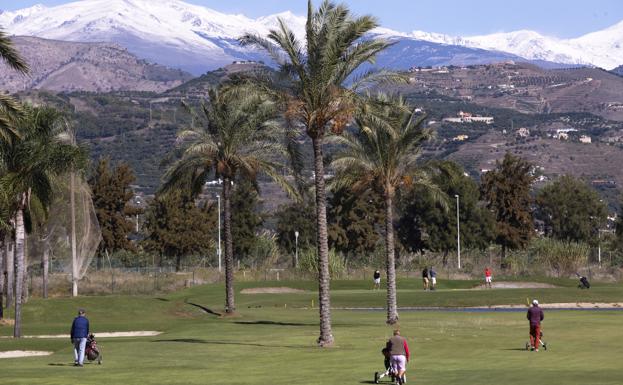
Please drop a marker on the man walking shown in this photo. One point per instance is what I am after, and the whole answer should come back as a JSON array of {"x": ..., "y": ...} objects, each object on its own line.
[
  {"x": 377, "y": 279},
  {"x": 433, "y": 278},
  {"x": 79, "y": 334},
  {"x": 535, "y": 316},
  {"x": 425, "y": 278},
  {"x": 488, "y": 277},
  {"x": 399, "y": 356}
]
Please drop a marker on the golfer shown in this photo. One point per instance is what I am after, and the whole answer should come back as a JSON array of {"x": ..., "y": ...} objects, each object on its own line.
[
  {"x": 399, "y": 356},
  {"x": 535, "y": 316},
  {"x": 433, "y": 278},
  {"x": 377, "y": 279},
  {"x": 425, "y": 278},
  {"x": 488, "y": 277},
  {"x": 79, "y": 334}
]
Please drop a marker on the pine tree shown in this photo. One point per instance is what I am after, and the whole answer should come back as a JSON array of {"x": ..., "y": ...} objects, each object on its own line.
[
  {"x": 506, "y": 191},
  {"x": 177, "y": 227},
  {"x": 246, "y": 218},
  {"x": 111, "y": 196}
]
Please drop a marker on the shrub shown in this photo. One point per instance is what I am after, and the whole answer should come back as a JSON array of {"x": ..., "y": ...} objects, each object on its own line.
[
  {"x": 308, "y": 263},
  {"x": 563, "y": 258}
]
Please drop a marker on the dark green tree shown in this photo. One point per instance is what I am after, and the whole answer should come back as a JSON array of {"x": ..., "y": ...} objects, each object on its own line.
[
  {"x": 111, "y": 196},
  {"x": 506, "y": 191},
  {"x": 177, "y": 227},
  {"x": 618, "y": 232},
  {"x": 355, "y": 220},
  {"x": 296, "y": 217},
  {"x": 571, "y": 210},
  {"x": 425, "y": 224},
  {"x": 246, "y": 217}
]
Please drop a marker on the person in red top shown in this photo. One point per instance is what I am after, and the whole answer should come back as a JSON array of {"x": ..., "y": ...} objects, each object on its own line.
[
  {"x": 399, "y": 356},
  {"x": 488, "y": 277},
  {"x": 535, "y": 316}
]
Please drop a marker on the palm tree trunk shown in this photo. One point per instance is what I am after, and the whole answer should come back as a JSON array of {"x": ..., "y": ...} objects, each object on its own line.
[
  {"x": 25, "y": 287},
  {"x": 45, "y": 262},
  {"x": 10, "y": 269},
  {"x": 2, "y": 277},
  {"x": 230, "y": 306},
  {"x": 74, "y": 252},
  {"x": 20, "y": 235},
  {"x": 324, "y": 279},
  {"x": 392, "y": 308}
]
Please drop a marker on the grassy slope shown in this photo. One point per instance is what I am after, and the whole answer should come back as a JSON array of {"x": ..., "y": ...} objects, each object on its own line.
[{"x": 275, "y": 345}]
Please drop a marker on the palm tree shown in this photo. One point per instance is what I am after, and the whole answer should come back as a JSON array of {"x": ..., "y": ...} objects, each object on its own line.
[
  {"x": 318, "y": 100},
  {"x": 8, "y": 105},
  {"x": 239, "y": 138},
  {"x": 383, "y": 155},
  {"x": 29, "y": 164},
  {"x": 9, "y": 110}
]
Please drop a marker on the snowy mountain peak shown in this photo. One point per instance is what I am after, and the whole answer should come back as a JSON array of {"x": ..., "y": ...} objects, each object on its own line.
[{"x": 173, "y": 32}]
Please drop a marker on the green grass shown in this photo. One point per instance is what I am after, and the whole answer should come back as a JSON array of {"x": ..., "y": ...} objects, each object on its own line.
[{"x": 271, "y": 341}]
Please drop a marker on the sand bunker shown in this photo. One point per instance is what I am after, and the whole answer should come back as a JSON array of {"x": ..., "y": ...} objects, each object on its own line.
[
  {"x": 142, "y": 333},
  {"x": 23, "y": 353},
  {"x": 271, "y": 290},
  {"x": 518, "y": 285}
]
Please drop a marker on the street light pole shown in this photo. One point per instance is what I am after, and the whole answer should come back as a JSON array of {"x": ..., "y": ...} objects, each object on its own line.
[
  {"x": 296, "y": 249},
  {"x": 458, "y": 232},
  {"x": 218, "y": 198}
]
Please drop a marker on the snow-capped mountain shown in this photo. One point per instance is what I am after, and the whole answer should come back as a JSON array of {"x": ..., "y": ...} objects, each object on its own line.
[
  {"x": 169, "y": 32},
  {"x": 195, "y": 38},
  {"x": 602, "y": 49}
]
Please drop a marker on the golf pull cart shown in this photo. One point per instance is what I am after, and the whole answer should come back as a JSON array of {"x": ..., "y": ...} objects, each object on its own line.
[
  {"x": 92, "y": 351},
  {"x": 541, "y": 342}
]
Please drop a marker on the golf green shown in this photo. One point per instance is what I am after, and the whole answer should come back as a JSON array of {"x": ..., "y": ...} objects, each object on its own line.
[{"x": 272, "y": 338}]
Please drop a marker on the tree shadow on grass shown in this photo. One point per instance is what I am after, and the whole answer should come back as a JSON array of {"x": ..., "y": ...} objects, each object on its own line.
[
  {"x": 201, "y": 341},
  {"x": 262, "y": 322},
  {"x": 205, "y": 309}
]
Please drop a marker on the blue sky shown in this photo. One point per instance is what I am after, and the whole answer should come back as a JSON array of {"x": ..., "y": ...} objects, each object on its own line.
[{"x": 561, "y": 18}]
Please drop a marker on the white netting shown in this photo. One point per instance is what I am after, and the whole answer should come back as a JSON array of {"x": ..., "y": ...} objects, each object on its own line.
[{"x": 56, "y": 234}]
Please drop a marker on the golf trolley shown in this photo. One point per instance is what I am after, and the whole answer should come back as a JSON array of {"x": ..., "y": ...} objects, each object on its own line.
[
  {"x": 389, "y": 372},
  {"x": 92, "y": 352},
  {"x": 541, "y": 342}
]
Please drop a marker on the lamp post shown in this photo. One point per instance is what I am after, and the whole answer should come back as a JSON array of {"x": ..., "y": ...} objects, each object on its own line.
[
  {"x": 296, "y": 249},
  {"x": 458, "y": 232},
  {"x": 218, "y": 198}
]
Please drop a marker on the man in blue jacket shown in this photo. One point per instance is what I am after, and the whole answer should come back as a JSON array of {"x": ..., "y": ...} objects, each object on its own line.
[{"x": 79, "y": 334}]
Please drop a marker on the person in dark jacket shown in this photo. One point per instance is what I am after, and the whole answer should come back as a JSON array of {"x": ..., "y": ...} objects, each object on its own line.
[
  {"x": 535, "y": 316},
  {"x": 79, "y": 334},
  {"x": 377, "y": 279},
  {"x": 425, "y": 278}
]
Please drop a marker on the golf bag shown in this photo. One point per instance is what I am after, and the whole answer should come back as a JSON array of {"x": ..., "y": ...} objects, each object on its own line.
[
  {"x": 92, "y": 352},
  {"x": 584, "y": 284}
]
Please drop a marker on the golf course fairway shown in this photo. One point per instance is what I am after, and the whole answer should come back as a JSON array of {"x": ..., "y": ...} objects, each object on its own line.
[{"x": 271, "y": 339}]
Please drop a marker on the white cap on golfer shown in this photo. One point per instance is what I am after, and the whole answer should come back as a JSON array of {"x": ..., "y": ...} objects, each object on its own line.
[{"x": 535, "y": 302}]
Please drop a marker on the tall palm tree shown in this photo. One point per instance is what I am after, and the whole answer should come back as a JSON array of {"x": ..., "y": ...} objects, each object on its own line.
[
  {"x": 383, "y": 155},
  {"x": 28, "y": 165},
  {"x": 8, "y": 105},
  {"x": 318, "y": 99},
  {"x": 238, "y": 138}
]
